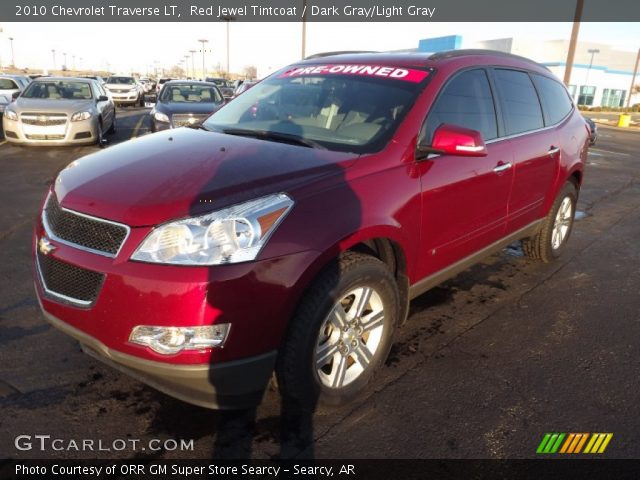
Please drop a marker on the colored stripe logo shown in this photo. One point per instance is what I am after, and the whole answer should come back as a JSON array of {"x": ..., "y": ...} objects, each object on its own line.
[{"x": 570, "y": 443}]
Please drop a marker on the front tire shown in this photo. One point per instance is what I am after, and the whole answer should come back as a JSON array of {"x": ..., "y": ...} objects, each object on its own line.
[
  {"x": 341, "y": 333},
  {"x": 550, "y": 241}
]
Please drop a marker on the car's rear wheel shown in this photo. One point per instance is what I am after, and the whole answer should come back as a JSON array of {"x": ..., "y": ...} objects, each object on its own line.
[
  {"x": 551, "y": 239},
  {"x": 341, "y": 333}
]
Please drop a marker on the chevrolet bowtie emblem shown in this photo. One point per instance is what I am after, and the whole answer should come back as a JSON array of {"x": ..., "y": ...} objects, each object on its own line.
[
  {"x": 192, "y": 120},
  {"x": 45, "y": 246}
]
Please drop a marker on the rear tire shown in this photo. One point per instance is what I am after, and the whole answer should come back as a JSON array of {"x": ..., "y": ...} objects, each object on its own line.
[
  {"x": 341, "y": 333},
  {"x": 551, "y": 239},
  {"x": 99, "y": 134}
]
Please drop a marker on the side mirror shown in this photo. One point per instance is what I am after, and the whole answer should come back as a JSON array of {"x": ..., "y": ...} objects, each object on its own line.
[
  {"x": 15, "y": 96},
  {"x": 454, "y": 140},
  {"x": 103, "y": 98}
]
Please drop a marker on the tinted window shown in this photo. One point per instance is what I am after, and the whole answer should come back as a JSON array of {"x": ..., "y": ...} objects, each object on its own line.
[
  {"x": 520, "y": 104},
  {"x": 555, "y": 99},
  {"x": 7, "y": 84},
  {"x": 465, "y": 101},
  {"x": 121, "y": 80},
  {"x": 190, "y": 93},
  {"x": 58, "y": 90}
]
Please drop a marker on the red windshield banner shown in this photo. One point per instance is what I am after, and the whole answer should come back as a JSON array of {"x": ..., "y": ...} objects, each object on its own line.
[{"x": 395, "y": 73}]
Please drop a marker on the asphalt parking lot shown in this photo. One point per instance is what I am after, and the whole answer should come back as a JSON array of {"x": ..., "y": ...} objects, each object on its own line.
[{"x": 486, "y": 364}]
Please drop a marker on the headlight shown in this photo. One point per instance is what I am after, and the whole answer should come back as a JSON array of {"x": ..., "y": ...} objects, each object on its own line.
[
  {"x": 161, "y": 117},
  {"x": 235, "y": 234},
  {"x": 170, "y": 340},
  {"x": 76, "y": 117},
  {"x": 10, "y": 114}
]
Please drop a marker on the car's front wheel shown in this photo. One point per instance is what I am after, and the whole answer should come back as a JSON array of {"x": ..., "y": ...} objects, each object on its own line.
[
  {"x": 341, "y": 333},
  {"x": 556, "y": 228}
]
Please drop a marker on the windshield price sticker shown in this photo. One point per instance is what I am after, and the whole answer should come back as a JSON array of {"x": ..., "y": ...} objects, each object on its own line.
[{"x": 395, "y": 73}]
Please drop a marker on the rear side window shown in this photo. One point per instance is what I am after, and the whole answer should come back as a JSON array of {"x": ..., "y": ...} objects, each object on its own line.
[
  {"x": 519, "y": 100},
  {"x": 7, "y": 84},
  {"x": 555, "y": 99},
  {"x": 465, "y": 101}
]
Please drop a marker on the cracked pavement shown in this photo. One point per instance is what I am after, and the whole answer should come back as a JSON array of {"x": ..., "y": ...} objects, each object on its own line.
[{"x": 486, "y": 364}]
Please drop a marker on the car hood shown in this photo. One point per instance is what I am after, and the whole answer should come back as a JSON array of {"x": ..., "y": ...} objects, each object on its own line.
[
  {"x": 48, "y": 106},
  {"x": 198, "y": 108},
  {"x": 186, "y": 172}
]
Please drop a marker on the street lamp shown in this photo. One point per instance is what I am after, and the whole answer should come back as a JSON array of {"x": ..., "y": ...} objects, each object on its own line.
[
  {"x": 193, "y": 67},
  {"x": 13, "y": 58},
  {"x": 53, "y": 52},
  {"x": 592, "y": 51},
  {"x": 203, "y": 41},
  {"x": 64, "y": 67},
  {"x": 228, "y": 19}
]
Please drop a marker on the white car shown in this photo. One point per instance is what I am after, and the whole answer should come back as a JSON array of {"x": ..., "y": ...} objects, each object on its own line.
[
  {"x": 9, "y": 86},
  {"x": 125, "y": 90}
]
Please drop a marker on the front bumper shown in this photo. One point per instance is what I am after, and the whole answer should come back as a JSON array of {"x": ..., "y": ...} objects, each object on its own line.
[
  {"x": 71, "y": 133},
  {"x": 119, "y": 98},
  {"x": 230, "y": 385}
]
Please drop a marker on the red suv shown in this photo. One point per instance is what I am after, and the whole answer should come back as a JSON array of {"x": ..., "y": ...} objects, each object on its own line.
[{"x": 291, "y": 229}]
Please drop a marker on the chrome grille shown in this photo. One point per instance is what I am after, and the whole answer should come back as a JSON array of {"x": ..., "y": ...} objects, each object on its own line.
[
  {"x": 180, "y": 120},
  {"x": 89, "y": 233},
  {"x": 67, "y": 282},
  {"x": 44, "y": 119}
]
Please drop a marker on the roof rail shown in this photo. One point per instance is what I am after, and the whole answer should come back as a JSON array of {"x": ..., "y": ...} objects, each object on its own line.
[
  {"x": 477, "y": 51},
  {"x": 343, "y": 52}
]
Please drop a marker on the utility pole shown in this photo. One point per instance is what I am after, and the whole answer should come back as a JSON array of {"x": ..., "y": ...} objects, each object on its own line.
[
  {"x": 633, "y": 79},
  {"x": 228, "y": 19},
  {"x": 573, "y": 42},
  {"x": 304, "y": 29},
  {"x": 203, "y": 41},
  {"x": 193, "y": 65},
  {"x": 592, "y": 51},
  {"x": 53, "y": 52},
  {"x": 64, "y": 67},
  {"x": 13, "y": 58}
]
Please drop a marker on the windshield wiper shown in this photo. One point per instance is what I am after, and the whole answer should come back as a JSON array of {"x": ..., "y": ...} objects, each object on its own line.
[{"x": 274, "y": 136}]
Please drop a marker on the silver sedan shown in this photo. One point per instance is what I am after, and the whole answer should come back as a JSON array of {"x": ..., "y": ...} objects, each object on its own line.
[{"x": 60, "y": 111}]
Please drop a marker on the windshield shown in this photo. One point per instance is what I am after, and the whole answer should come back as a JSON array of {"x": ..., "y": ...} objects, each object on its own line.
[
  {"x": 7, "y": 84},
  {"x": 355, "y": 111},
  {"x": 58, "y": 90},
  {"x": 190, "y": 93},
  {"x": 121, "y": 80}
]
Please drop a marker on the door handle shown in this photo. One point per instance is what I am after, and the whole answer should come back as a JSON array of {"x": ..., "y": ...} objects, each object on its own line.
[
  {"x": 502, "y": 167},
  {"x": 553, "y": 150}
]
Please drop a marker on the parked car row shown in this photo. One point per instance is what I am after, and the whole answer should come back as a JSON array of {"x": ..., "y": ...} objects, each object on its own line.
[{"x": 60, "y": 111}]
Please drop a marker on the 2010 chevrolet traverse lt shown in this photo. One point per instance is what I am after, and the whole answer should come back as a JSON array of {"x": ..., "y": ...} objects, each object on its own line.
[{"x": 291, "y": 229}]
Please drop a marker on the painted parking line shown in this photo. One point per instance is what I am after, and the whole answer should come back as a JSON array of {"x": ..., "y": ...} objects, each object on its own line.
[
  {"x": 136, "y": 129},
  {"x": 610, "y": 152}
]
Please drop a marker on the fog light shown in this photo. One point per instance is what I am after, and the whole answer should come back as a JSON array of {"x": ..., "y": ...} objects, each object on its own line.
[{"x": 170, "y": 340}]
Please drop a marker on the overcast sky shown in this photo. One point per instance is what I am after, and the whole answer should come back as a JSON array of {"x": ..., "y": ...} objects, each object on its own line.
[{"x": 136, "y": 46}]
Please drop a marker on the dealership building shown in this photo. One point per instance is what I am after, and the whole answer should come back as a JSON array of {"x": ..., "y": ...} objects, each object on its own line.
[{"x": 601, "y": 75}]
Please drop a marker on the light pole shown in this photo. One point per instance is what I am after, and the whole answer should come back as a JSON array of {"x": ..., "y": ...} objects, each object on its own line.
[
  {"x": 193, "y": 65},
  {"x": 186, "y": 65},
  {"x": 73, "y": 59},
  {"x": 13, "y": 58},
  {"x": 64, "y": 67},
  {"x": 203, "y": 41},
  {"x": 228, "y": 19},
  {"x": 304, "y": 28},
  {"x": 53, "y": 52},
  {"x": 592, "y": 51}
]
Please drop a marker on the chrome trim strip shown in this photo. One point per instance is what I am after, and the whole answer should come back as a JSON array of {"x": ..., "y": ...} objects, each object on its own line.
[
  {"x": 515, "y": 135},
  {"x": 53, "y": 236},
  {"x": 75, "y": 301}
]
